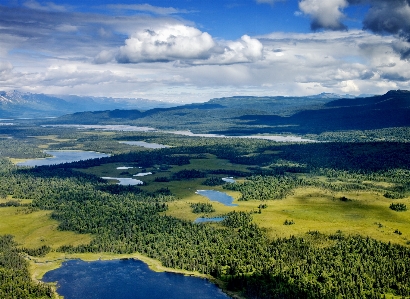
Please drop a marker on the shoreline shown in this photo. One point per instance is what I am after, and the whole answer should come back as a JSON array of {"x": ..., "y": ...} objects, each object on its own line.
[{"x": 41, "y": 265}]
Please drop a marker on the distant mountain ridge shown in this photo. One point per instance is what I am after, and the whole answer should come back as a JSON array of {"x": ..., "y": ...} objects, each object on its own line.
[
  {"x": 273, "y": 115},
  {"x": 15, "y": 104}
]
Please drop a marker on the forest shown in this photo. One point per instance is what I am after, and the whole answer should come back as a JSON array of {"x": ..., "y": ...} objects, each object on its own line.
[{"x": 242, "y": 251}]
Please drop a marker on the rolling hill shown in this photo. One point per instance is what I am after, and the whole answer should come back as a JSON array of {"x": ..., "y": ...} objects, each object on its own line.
[{"x": 273, "y": 115}]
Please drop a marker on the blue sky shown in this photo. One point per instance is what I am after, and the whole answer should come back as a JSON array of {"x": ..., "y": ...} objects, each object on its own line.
[{"x": 191, "y": 51}]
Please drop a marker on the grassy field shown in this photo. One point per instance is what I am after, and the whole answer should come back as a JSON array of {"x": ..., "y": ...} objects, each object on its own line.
[
  {"x": 315, "y": 210},
  {"x": 36, "y": 228},
  {"x": 311, "y": 209}
]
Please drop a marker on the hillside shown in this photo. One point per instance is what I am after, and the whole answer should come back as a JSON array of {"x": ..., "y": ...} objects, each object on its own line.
[{"x": 253, "y": 115}]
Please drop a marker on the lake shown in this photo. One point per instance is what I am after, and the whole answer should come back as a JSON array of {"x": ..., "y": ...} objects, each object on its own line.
[
  {"x": 145, "y": 144},
  {"x": 277, "y": 138},
  {"x": 205, "y": 219},
  {"x": 124, "y": 181},
  {"x": 63, "y": 157},
  {"x": 143, "y": 174},
  {"x": 126, "y": 279},
  {"x": 229, "y": 180},
  {"x": 217, "y": 196}
]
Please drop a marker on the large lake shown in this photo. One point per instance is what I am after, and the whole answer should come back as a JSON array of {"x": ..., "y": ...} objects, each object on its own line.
[
  {"x": 218, "y": 196},
  {"x": 277, "y": 138},
  {"x": 127, "y": 279},
  {"x": 63, "y": 157}
]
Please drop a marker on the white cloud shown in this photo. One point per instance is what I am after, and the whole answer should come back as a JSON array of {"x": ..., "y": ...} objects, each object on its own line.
[
  {"x": 245, "y": 50},
  {"x": 168, "y": 43},
  {"x": 324, "y": 14},
  {"x": 49, "y": 6},
  {"x": 186, "y": 45},
  {"x": 5, "y": 66},
  {"x": 105, "y": 56}
]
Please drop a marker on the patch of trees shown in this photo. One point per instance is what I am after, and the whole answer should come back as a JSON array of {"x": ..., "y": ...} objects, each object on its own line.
[
  {"x": 188, "y": 174},
  {"x": 288, "y": 222},
  {"x": 10, "y": 203},
  {"x": 266, "y": 187},
  {"x": 161, "y": 179},
  {"x": 398, "y": 207},
  {"x": 39, "y": 251},
  {"x": 394, "y": 195},
  {"x": 237, "y": 219},
  {"x": 15, "y": 279},
  {"x": 213, "y": 181},
  {"x": 198, "y": 208}
]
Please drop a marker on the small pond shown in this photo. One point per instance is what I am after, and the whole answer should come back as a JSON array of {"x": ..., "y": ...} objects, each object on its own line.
[
  {"x": 125, "y": 279},
  {"x": 229, "y": 180},
  {"x": 124, "y": 181},
  {"x": 218, "y": 196},
  {"x": 204, "y": 219},
  {"x": 142, "y": 174},
  {"x": 60, "y": 157},
  {"x": 145, "y": 144}
]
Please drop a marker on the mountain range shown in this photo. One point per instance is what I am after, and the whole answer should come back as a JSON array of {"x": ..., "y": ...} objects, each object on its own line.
[
  {"x": 15, "y": 104},
  {"x": 272, "y": 115}
]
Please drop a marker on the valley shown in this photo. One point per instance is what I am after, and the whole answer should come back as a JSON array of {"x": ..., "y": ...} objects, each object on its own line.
[{"x": 308, "y": 219}]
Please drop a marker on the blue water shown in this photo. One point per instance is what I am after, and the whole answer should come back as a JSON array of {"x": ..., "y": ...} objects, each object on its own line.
[
  {"x": 124, "y": 181},
  {"x": 145, "y": 144},
  {"x": 63, "y": 157},
  {"x": 127, "y": 279},
  {"x": 229, "y": 180},
  {"x": 218, "y": 196},
  {"x": 204, "y": 219}
]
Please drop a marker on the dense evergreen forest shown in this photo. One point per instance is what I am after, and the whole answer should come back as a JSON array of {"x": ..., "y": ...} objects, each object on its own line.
[
  {"x": 127, "y": 219},
  {"x": 15, "y": 280}
]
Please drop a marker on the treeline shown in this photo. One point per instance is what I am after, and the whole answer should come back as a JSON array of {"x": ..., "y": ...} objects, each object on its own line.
[{"x": 15, "y": 279}]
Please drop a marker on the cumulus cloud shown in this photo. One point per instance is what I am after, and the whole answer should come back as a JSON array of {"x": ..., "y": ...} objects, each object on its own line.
[
  {"x": 186, "y": 45},
  {"x": 324, "y": 14},
  {"x": 383, "y": 17},
  {"x": 391, "y": 16},
  {"x": 246, "y": 49},
  {"x": 166, "y": 44}
]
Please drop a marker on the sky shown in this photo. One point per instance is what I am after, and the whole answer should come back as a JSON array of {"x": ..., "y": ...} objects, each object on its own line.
[{"x": 191, "y": 51}]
